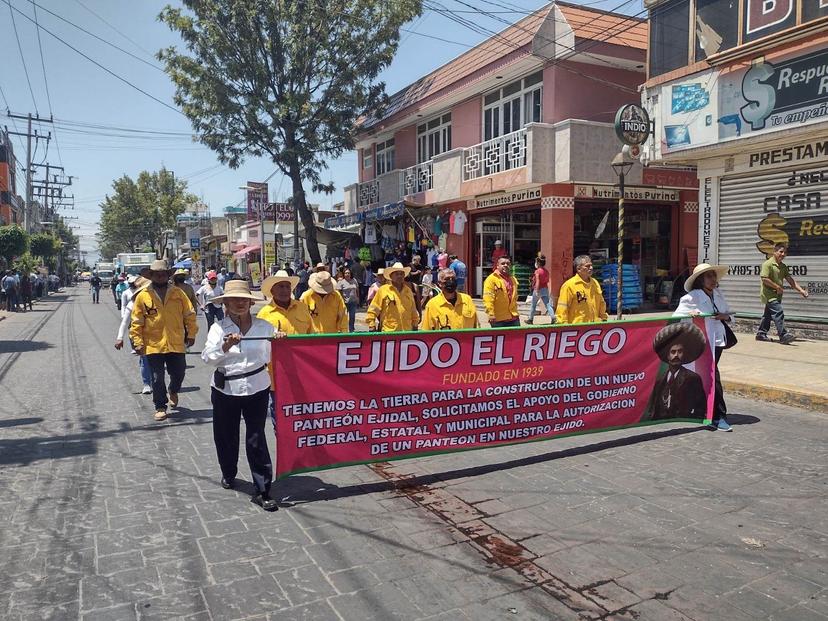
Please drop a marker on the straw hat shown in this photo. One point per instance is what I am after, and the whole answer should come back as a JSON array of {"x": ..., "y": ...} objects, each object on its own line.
[
  {"x": 321, "y": 283},
  {"x": 280, "y": 276},
  {"x": 142, "y": 283},
  {"x": 700, "y": 269},
  {"x": 181, "y": 272},
  {"x": 159, "y": 265},
  {"x": 397, "y": 267},
  {"x": 236, "y": 289},
  {"x": 132, "y": 278},
  {"x": 683, "y": 332}
]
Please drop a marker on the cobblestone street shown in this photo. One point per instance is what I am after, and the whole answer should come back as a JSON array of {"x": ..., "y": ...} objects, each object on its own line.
[{"x": 108, "y": 515}]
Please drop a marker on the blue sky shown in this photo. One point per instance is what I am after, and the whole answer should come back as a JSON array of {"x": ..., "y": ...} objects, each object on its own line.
[{"x": 83, "y": 94}]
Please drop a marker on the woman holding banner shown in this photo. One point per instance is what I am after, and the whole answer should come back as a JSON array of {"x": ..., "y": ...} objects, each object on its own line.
[
  {"x": 240, "y": 388},
  {"x": 704, "y": 297}
]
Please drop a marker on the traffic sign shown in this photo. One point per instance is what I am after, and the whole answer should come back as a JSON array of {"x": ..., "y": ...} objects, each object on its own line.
[{"x": 195, "y": 243}]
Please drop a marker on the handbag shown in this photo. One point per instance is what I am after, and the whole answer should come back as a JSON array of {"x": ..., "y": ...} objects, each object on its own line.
[{"x": 730, "y": 336}]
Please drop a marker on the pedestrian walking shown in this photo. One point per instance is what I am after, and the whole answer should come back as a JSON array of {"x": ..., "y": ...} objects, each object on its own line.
[
  {"x": 393, "y": 308},
  {"x": 122, "y": 286},
  {"x": 304, "y": 275},
  {"x": 540, "y": 290},
  {"x": 205, "y": 295},
  {"x": 773, "y": 274},
  {"x": 160, "y": 316},
  {"x": 348, "y": 288},
  {"x": 498, "y": 252},
  {"x": 379, "y": 281},
  {"x": 240, "y": 388},
  {"x": 113, "y": 285},
  {"x": 136, "y": 284},
  {"x": 180, "y": 277},
  {"x": 95, "y": 284},
  {"x": 500, "y": 291},
  {"x": 581, "y": 299},
  {"x": 283, "y": 312},
  {"x": 705, "y": 297},
  {"x": 450, "y": 309},
  {"x": 26, "y": 292},
  {"x": 327, "y": 309},
  {"x": 415, "y": 278},
  {"x": 221, "y": 278},
  {"x": 459, "y": 269},
  {"x": 368, "y": 279}
]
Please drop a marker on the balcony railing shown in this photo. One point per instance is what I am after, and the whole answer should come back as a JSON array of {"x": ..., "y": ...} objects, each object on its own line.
[
  {"x": 499, "y": 154},
  {"x": 416, "y": 178},
  {"x": 368, "y": 193}
]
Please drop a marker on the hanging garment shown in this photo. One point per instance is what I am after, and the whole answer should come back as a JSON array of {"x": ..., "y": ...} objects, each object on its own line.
[{"x": 460, "y": 220}]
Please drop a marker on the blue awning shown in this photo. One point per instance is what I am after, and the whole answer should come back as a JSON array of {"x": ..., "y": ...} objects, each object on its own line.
[
  {"x": 385, "y": 212},
  {"x": 186, "y": 264}
]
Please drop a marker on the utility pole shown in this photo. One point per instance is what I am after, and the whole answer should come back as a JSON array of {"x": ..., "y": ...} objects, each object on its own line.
[{"x": 29, "y": 135}]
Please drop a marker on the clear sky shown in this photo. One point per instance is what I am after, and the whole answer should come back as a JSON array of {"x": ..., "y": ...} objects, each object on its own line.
[{"x": 90, "y": 103}]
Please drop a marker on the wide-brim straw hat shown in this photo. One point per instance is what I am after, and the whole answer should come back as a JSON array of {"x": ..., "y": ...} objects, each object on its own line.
[
  {"x": 321, "y": 283},
  {"x": 684, "y": 332},
  {"x": 142, "y": 283},
  {"x": 159, "y": 265},
  {"x": 181, "y": 272},
  {"x": 397, "y": 267},
  {"x": 280, "y": 276},
  {"x": 236, "y": 289},
  {"x": 700, "y": 269}
]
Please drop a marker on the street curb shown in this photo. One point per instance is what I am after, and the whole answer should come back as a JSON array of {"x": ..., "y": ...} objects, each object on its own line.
[{"x": 772, "y": 394}]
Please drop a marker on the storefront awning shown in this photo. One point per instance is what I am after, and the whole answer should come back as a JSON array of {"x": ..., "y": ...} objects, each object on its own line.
[
  {"x": 241, "y": 254},
  {"x": 386, "y": 212}
]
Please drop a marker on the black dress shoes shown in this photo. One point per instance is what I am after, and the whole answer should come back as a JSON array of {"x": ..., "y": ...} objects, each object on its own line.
[
  {"x": 265, "y": 502},
  {"x": 227, "y": 483}
]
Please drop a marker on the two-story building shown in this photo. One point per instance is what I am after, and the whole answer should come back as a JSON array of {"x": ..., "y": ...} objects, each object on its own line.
[
  {"x": 513, "y": 141},
  {"x": 739, "y": 88},
  {"x": 11, "y": 205}
]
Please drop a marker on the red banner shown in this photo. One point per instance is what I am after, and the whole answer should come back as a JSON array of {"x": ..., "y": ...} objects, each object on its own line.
[{"x": 358, "y": 398}]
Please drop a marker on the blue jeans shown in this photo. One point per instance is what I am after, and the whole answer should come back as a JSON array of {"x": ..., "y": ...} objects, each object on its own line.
[
  {"x": 543, "y": 294},
  {"x": 146, "y": 372},
  {"x": 352, "y": 309},
  {"x": 773, "y": 312},
  {"x": 212, "y": 313},
  {"x": 509, "y": 323},
  {"x": 96, "y": 295}
]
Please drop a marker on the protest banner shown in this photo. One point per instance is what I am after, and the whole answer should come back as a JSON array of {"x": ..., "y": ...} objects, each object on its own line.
[{"x": 357, "y": 398}]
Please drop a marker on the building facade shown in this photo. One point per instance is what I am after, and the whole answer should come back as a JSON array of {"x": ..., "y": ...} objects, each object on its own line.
[{"x": 739, "y": 89}]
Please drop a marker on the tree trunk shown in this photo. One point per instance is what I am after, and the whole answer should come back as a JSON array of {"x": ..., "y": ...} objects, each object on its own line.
[{"x": 306, "y": 216}]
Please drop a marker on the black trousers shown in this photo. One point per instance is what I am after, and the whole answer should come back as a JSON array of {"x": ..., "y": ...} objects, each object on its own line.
[
  {"x": 176, "y": 365},
  {"x": 719, "y": 405},
  {"x": 227, "y": 414}
]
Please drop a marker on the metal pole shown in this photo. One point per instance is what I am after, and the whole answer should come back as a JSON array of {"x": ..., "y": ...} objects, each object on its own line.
[
  {"x": 619, "y": 281},
  {"x": 28, "y": 205},
  {"x": 295, "y": 233}
]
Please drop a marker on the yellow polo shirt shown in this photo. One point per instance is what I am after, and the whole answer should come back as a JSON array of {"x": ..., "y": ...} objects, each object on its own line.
[
  {"x": 496, "y": 299},
  {"x": 440, "y": 314},
  {"x": 158, "y": 325},
  {"x": 395, "y": 309},
  {"x": 581, "y": 301},
  {"x": 295, "y": 319},
  {"x": 328, "y": 313}
]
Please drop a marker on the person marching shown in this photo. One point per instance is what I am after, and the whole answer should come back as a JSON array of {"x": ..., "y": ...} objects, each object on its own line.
[
  {"x": 240, "y": 388},
  {"x": 160, "y": 315},
  {"x": 121, "y": 288},
  {"x": 283, "y": 312},
  {"x": 450, "y": 309},
  {"x": 393, "y": 306},
  {"x": 540, "y": 290},
  {"x": 180, "y": 280},
  {"x": 136, "y": 285},
  {"x": 500, "y": 293},
  {"x": 327, "y": 309},
  {"x": 379, "y": 281},
  {"x": 205, "y": 295},
  {"x": 581, "y": 299},
  {"x": 348, "y": 288},
  {"x": 95, "y": 284}
]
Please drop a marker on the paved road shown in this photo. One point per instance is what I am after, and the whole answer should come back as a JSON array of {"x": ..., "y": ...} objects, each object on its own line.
[{"x": 105, "y": 514}]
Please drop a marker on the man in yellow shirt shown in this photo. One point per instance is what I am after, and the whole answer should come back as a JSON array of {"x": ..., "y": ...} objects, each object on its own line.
[
  {"x": 284, "y": 313},
  {"x": 449, "y": 310},
  {"x": 326, "y": 306},
  {"x": 161, "y": 314},
  {"x": 581, "y": 299},
  {"x": 393, "y": 305},
  {"x": 500, "y": 293}
]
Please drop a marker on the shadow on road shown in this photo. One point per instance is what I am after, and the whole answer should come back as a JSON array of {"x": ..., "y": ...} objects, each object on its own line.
[
  {"x": 742, "y": 419},
  {"x": 10, "y": 347},
  {"x": 16, "y": 422}
]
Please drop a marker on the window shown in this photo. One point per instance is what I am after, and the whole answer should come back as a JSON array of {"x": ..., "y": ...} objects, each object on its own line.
[
  {"x": 716, "y": 30},
  {"x": 385, "y": 156},
  {"x": 433, "y": 137},
  {"x": 367, "y": 159},
  {"x": 513, "y": 106},
  {"x": 669, "y": 37}
]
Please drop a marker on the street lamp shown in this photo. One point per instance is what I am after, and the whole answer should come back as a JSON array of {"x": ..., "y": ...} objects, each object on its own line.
[{"x": 621, "y": 164}]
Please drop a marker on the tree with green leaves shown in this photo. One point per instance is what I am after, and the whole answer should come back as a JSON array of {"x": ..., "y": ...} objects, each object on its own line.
[
  {"x": 285, "y": 79},
  {"x": 14, "y": 241},
  {"x": 44, "y": 245},
  {"x": 135, "y": 216}
]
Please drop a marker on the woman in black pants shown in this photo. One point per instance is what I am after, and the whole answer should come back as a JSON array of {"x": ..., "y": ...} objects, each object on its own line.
[{"x": 240, "y": 388}]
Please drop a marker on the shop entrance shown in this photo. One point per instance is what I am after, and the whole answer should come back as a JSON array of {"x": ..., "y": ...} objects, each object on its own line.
[{"x": 520, "y": 233}]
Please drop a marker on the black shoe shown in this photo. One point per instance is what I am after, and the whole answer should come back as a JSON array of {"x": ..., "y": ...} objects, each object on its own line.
[
  {"x": 787, "y": 338},
  {"x": 762, "y": 337},
  {"x": 265, "y": 502},
  {"x": 228, "y": 483}
]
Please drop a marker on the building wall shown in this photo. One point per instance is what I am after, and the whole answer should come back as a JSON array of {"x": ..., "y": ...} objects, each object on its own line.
[
  {"x": 569, "y": 95},
  {"x": 405, "y": 147},
  {"x": 467, "y": 123}
]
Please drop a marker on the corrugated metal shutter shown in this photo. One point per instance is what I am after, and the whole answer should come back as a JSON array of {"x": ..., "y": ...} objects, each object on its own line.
[{"x": 749, "y": 211}]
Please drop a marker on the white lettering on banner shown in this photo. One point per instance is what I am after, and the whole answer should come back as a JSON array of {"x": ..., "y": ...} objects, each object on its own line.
[
  {"x": 507, "y": 198},
  {"x": 634, "y": 193}
]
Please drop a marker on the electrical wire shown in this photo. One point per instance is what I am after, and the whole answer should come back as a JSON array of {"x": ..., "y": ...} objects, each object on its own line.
[
  {"x": 117, "y": 30},
  {"x": 46, "y": 82},
  {"x": 22, "y": 58}
]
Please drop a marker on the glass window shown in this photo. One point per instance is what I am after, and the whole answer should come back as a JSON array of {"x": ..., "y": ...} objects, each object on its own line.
[
  {"x": 669, "y": 37},
  {"x": 535, "y": 78},
  {"x": 716, "y": 28},
  {"x": 433, "y": 137},
  {"x": 385, "y": 157},
  {"x": 513, "y": 108},
  {"x": 367, "y": 160}
]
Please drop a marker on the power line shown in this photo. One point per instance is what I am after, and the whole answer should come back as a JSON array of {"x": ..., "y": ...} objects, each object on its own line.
[
  {"x": 22, "y": 58},
  {"x": 45, "y": 82},
  {"x": 428, "y": 36},
  {"x": 97, "y": 64},
  {"x": 117, "y": 30}
]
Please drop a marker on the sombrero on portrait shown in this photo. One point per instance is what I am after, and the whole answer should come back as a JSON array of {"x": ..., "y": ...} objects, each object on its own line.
[{"x": 684, "y": 332}]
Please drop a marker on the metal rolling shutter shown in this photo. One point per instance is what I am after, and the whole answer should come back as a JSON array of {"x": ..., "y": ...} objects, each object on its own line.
[{"x": 742, "y": 208}]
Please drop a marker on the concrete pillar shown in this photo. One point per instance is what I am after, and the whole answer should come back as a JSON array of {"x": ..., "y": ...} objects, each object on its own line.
[{"x": 557, "y": 233}]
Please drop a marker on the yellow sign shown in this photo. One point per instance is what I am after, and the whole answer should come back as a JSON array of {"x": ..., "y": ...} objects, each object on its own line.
[
  {"x": 256, "y": 274},
  {"x": 196, "y": 255},
  {"x": 269, "y": 254}
]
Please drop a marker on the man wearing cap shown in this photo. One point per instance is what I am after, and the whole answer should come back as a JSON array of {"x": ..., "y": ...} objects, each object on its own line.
[
  {"x": 679, "y": 392},
  {"x": 283, "y": 312},
  {"x": 120, "y": 288},
  {"x": 497, "y": 253},
  {"x": 160, "y": 316},
  {"x": 581, "y": 299},
  {"x": 206, "y": 293},
  {"x": 327, "y": 309},
  {"x": 500, "y": 293},
  {"x": 450, "y": 309},
  {"x": 393, "y": 308}
]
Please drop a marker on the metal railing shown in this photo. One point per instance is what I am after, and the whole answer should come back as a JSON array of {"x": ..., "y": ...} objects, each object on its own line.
[
  {"x": 368, "y": 193},
  {"x": 499, "y": 154},
  {"x": 417, "y": 178}
]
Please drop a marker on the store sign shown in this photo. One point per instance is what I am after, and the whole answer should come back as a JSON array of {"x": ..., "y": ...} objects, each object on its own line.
[
  {"x": 279, "y": 212},
  {"x": 801, "y": 153},
  {"x": 195, "y": 243},
  {"x": 269, "y": 253},
  {"x": 707, "y": 220},
  {"x": 670, "y": 177},
  {"x": 633, "y": 193},
  {"x": 256, "y": 199},
  {"x": 632, "y": 124},
  {"x": 507, "y": 198}
]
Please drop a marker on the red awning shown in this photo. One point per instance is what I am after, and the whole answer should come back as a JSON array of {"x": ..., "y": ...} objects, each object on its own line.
[{"x": 241, "y": 254}]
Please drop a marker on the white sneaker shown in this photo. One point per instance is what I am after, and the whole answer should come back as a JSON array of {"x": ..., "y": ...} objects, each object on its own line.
[{"x": 147, "y": 390}]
